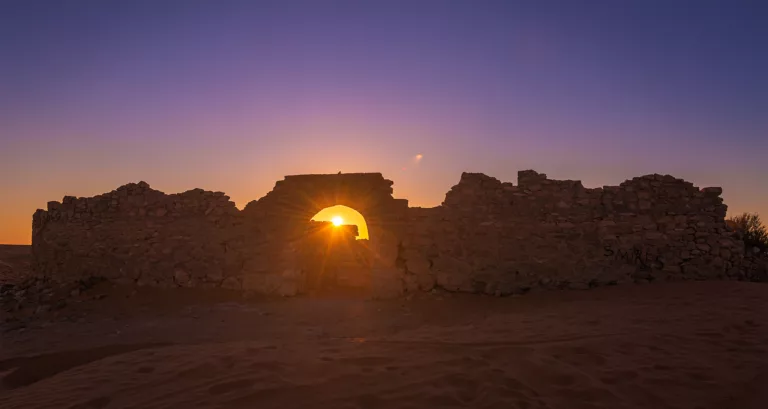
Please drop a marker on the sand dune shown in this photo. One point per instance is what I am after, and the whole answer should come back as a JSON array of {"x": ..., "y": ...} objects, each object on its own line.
[{"x": 688, "y": 345}]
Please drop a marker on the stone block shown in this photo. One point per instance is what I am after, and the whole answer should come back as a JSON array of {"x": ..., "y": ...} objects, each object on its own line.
[
  {"x": 712, "y": 191},
  {"x": 232, "y": 283},
  {"x": 386, "y": 283},
  {"x": 453, "y": 274}
]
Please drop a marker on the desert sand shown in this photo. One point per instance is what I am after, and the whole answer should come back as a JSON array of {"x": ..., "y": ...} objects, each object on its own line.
[{"x": 675, "y": 345}]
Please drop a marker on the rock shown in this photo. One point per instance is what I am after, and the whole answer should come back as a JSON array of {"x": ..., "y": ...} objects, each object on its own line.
[
  {"x": 417, "y": 264},
  {"x": 578, "y": 286},
  {"x": 653, "y": 235},
  {"x": 703, "y": 247},
  {"x": 41, "y": 309},
  {"x": 386, "y": 283},
  {"x": 232, "y": 283},
  {"x": 182, "y": 278},
  {"x": 410, "y": 283},
  {"x": 426, "y": 281},
  {"x": 453, "y": 275}
]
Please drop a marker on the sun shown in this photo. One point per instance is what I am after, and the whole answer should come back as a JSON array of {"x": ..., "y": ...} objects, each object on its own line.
[{"x": 338, "y": 216}]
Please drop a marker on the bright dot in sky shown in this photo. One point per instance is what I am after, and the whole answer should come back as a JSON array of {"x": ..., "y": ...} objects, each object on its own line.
[
  {"x": 337, "y": 221},
  {"x": 419, "y": 156}
]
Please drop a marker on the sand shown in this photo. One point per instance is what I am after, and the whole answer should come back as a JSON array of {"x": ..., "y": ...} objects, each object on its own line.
[{"x": 682, "y": 345}]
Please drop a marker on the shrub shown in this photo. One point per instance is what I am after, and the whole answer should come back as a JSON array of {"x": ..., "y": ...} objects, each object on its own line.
[{"x": 752, "y": 230}]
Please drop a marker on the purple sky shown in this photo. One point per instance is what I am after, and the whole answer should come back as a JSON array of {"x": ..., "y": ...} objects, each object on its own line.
[{"x": 232, "y": 95}]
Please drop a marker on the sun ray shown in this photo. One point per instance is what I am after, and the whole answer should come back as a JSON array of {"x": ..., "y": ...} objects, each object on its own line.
[{"x": 340, "y": 215}]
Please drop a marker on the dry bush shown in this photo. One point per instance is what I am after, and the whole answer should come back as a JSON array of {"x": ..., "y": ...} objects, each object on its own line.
[{"x": 752, "y": 230}]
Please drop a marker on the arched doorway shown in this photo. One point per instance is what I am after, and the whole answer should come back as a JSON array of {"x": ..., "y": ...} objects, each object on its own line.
[
  {"x": 341, "y": 215},
  {"x": 334, "y": 253},
  {"x": 284, "y": 216}
]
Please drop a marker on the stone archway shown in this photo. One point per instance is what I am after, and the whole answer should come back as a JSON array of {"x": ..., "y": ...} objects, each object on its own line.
[{"x": 282, "y": 214}]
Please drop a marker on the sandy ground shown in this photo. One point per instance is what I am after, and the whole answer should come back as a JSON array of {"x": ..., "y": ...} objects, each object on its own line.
[{"x": 686, "y": 345}]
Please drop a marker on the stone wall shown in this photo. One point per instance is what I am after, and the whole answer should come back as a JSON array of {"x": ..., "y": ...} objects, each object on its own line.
[
  {"x": 137, "y": 234},
  {"x": 283, "y": 212},
  {"x": 487, "y": 236},
  {"x": 498, "y": 238}
]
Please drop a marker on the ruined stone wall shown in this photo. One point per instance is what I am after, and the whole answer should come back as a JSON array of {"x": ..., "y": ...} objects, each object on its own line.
[
  {"x": 498, "y": 238},
  {"x": 200, "y": 239},
  {"x": 137, "y": 234},
  {"x": 487, "y": 236},
  {"x": 298, "y": 198}
]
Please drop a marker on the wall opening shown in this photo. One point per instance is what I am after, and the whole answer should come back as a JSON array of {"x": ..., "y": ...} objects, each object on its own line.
[
  {"x": 340, "y": 215},
  {"x": 335, "y": 253}
]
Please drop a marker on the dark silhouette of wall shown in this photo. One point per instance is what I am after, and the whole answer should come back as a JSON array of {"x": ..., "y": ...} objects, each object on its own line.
[
  {"x": 487, "y": 236},
  {"x": 498, "y": 238}
]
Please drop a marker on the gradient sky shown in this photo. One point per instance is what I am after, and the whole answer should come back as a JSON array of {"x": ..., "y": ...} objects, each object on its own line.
[{"x": 232, "y": 95}]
